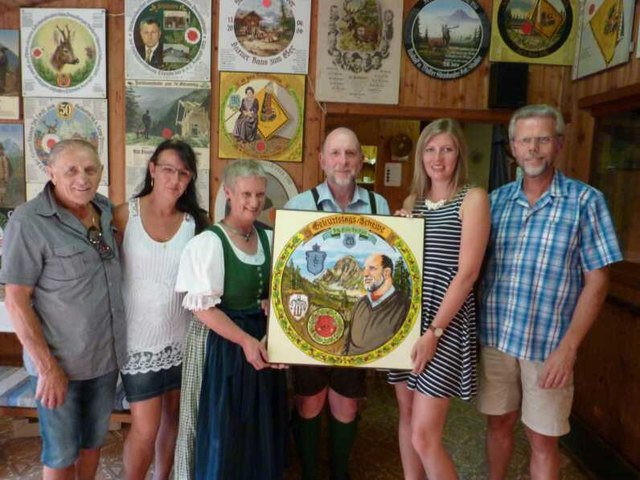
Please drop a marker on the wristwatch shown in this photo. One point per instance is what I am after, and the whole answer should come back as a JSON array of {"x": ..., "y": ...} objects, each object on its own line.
[{"x": 437, "y": 331}]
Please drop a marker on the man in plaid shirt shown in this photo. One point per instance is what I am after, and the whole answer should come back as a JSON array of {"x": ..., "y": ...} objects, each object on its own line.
[{"x": 546, "y": 278}]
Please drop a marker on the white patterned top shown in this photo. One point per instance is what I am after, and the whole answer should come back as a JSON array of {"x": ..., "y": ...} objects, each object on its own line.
[{"x": 156, "y": 321}]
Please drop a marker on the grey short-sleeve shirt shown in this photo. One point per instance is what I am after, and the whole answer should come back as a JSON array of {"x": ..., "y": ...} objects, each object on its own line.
[{"x": 76, "y": 293}]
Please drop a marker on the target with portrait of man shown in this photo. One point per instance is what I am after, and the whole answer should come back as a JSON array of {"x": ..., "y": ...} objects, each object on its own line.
[{"x": 345, "y": 289}]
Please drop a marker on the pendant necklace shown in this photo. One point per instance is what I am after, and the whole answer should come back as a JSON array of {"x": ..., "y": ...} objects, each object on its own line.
[{"x": 240, "y": 233}]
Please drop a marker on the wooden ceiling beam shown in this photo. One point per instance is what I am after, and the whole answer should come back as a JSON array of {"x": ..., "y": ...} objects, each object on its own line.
[{"x": 419, "y": 113}]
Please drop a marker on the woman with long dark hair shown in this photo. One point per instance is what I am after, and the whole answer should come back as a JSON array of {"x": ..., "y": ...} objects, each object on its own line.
[{"x": 154, "y": 228}]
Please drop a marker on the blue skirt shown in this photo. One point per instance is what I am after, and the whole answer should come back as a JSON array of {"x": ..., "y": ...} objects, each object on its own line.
[{"x": 242, "y": 419}]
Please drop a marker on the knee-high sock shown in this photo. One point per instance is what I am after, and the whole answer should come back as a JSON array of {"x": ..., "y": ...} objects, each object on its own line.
[
  {"x": 306, "y": 432},
  {"x": 341, "y": 439}
]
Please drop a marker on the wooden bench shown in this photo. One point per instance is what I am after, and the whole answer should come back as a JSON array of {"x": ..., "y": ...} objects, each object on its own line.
[{"x": 17, "y": 400}]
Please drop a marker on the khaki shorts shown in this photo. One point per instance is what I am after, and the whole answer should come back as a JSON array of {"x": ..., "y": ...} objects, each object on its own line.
[{"x": 508, "y": 384}]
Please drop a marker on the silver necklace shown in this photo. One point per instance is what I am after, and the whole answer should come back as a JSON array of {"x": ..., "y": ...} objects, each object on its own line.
[{"x": 240, "y": 233}]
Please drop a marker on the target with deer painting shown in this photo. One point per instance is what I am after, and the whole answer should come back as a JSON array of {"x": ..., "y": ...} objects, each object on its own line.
[
  {"x": 446, "y": 39},
  {"x": 63, "y": 52}
]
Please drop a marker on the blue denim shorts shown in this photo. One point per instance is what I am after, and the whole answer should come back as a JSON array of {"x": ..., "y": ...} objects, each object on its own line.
[
  {"x": 80, "y": 423},
  {"x": 143, "y": 386}
]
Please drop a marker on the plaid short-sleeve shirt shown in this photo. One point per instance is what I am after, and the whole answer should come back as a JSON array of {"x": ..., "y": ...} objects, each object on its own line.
[{"x": 536, "y": 260}]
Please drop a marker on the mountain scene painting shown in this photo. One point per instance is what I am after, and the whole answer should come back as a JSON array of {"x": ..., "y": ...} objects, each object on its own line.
[
  {"x": 346, "y": 292},
  {"x": 264, "y": 28},
  {"x": 340, "y": 286}
]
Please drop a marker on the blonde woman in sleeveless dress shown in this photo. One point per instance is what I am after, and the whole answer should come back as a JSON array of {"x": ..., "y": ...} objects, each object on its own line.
[{"x": 444, "y": 358}]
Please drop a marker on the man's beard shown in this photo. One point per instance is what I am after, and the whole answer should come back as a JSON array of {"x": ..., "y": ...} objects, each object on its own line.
[
  {"x": 375, "y": 285},
  {"x": 343, "y": 181},
  {"x": 536, "y": 171}
]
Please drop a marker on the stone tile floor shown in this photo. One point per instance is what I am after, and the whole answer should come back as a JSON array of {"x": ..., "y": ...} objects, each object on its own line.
[{"x": 376, "y": 455}]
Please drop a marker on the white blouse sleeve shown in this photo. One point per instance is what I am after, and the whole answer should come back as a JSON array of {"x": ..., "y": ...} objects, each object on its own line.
[{"x": 201, "y": 272}]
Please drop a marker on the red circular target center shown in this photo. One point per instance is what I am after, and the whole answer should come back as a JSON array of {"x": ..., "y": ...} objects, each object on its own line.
[{"x": 326, "y": 326}]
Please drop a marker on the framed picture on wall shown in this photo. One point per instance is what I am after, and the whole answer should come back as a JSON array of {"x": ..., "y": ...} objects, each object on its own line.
[
  {"x": 264, "y": 36},
  {"x": 50, "y": 120},
  {"x": 358, "y": 55},
  {"x": 604, "y": 36},
  {"x": 261, "y": 116},
  {"x": 159, "y": 111},
  {"x": 446, "y": 39},
  {"x": 168, "y": 40},
  {"x": 12, "y": 178},
  {"x": 9, "y": 75},
  {"x": 345, "y": 289},
  {"x": 63, "y": 52},
  {"x": 534, "y": 31}
]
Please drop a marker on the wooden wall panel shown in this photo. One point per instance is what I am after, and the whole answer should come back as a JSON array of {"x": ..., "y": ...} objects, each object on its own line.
[
  {"x": 607, "y": 388},
  {"x": 115, "y": 72},
  {"x": 607, "y": 380},
  {"x": 388, "y": 129}
]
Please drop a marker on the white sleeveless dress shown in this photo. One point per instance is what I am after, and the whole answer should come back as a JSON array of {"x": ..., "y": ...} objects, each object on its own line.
[{"x": 156, "y": 320}]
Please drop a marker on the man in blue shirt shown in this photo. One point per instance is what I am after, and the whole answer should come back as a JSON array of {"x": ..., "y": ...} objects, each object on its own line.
[
  {"x": 546, "y": 278},
  {"x": 341, "y": 160}
]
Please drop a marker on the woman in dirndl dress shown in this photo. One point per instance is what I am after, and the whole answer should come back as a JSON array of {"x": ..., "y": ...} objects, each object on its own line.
[{"x": 241, "y": 425}]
